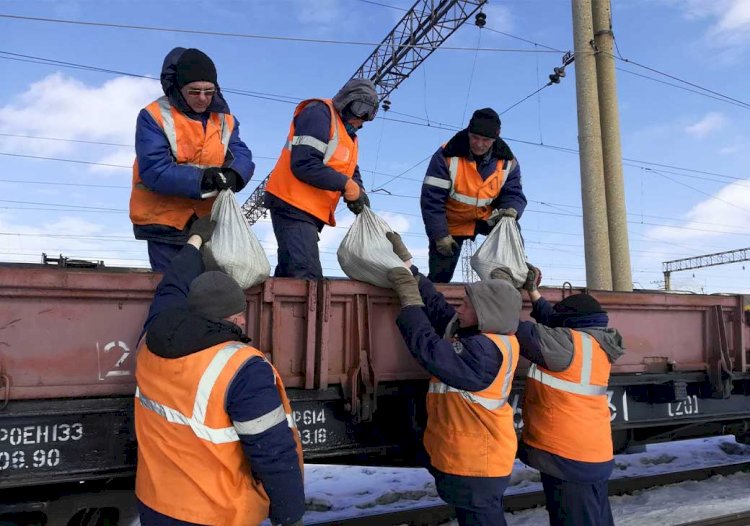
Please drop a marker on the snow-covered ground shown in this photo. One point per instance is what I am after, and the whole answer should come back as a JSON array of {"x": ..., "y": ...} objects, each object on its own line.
[{"x": 335, "y": 492}]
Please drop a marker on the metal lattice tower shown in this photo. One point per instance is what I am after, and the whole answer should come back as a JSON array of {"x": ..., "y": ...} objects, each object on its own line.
[
  {"x": 707, "y": 260},
  {"x": 418, "y": 34},
  {"x": 467, "y": 250}
]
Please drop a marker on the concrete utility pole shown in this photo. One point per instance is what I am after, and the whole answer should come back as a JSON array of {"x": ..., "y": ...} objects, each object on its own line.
[
  {"x": 595, "y": 231},
  {"x": 619, "y": 247}
]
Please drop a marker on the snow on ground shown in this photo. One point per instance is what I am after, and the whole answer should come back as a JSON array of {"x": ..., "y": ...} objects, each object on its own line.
[{"x": 335, "y": 492}]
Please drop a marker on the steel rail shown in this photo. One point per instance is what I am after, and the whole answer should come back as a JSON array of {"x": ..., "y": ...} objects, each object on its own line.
[{"x": 432, "y": 515}]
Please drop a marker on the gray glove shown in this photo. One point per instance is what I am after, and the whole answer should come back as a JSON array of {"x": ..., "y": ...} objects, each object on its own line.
[
  {"x": 508, "y": 212},
  {"x": 502, "y": 273},
  {"x": 446, "y": 246},
  {"x": 405, "y": 286},
  {"x": 399, "y": 248},
  {"x": 533, "y": 278}
]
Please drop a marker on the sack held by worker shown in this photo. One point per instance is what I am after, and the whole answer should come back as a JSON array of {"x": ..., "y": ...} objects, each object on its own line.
[
  {"x": 502, "y": 248},
  {"x": 365, "y": 254},
  {"x": 233, "y": 247}
]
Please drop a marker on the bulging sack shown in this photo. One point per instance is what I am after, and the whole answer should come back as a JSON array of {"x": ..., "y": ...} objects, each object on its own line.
[
  {"x": 233, "y": 246},
  {"x": 503, "y": 247},
  {"x": 365, "y": 254}
]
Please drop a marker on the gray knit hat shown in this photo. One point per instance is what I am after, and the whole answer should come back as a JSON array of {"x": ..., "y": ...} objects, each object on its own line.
[{"x": 215, "y": 295}]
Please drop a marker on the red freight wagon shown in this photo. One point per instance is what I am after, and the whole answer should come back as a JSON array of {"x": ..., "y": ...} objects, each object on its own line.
[{"x": 68, "y": 338}]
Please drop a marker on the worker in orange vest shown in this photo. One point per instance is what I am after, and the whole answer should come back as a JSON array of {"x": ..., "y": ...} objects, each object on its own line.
[
  {"x": 472, "y": 354},
  {"x": 317, "y": 166},
  {"x": 471, "y": 182},
  {"x": 187, "y": 147},
  {"x": 566, "y": 418},
  {"x": 217, "y": 441}
]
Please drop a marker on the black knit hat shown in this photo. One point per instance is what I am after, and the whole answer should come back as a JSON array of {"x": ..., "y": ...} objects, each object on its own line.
[
  {"x": 579, "y": 304},
  {"x": 215, "y": 295},
  {"x": 485, "y": 122},
  {"x": 194, "y": 65}
]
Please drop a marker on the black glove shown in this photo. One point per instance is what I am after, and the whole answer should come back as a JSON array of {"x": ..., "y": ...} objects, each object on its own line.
[
  {"x": 399, "y": 248},
  {"x": 202, "y": 227},
  {"x": 358, "y": 204},
  {"x": 446, "y": 246},
  {"x": 220, "y": 179}
]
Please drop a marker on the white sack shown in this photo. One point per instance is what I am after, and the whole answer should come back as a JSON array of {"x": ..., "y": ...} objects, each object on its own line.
[
  {"x": 365, "y": 254},
  {"x": 503, "y": 247},
  {"x": 233, "y": 245}
]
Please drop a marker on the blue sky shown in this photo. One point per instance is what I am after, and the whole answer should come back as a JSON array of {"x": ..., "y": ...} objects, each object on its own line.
[{"x": 672, "y": 213}]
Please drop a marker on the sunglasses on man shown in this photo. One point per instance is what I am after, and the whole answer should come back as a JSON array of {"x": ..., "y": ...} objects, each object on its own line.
[
  {"x": 194, "y": 92},
  {"x": 363, "y": 110}
]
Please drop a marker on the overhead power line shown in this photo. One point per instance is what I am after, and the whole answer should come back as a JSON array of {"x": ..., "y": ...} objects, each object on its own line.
[{"x": 426, "y": 47}]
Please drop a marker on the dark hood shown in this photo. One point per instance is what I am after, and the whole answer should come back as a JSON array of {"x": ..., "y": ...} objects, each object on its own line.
[
  {"x": 175, "y": 333},
  {"x": 169, "y": 85},
  {"x": 458, "y": 146},
  {"x": 498, "y": 305}
]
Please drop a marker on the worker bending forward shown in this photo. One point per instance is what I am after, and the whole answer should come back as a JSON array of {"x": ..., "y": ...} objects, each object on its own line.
[
  {"x": 471, "y": 354},
  {"x": 566, "y": 419},
  {"x": 217, "y": 442}
]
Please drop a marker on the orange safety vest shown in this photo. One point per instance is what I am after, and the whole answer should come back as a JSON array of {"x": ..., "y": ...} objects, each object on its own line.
[
  {"x": 471, "y": 433},
  {"x": 339, "y": 153},
  {"x": 190, "y": 145},
  {"x": 191, "y": 464},
  {"x": 470, "y": 196},
  {"x": 567, "y": 413}
]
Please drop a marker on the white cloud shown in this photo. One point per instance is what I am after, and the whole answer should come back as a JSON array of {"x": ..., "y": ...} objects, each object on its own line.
[
  {"x": 727, "y": 213},
  {"x": 730, "y": 19},
  {"x": 712, "y": 122},
  {"x": 63, "y": 107}
]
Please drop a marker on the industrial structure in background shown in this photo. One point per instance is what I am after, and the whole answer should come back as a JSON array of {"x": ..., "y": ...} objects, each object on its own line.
[
  {"x": 417, "y": 35},
  {"x": 707, "y": 260}
]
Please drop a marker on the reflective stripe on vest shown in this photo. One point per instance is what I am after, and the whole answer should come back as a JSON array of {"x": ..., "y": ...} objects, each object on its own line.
[
  {"x": 205, "y": 387},
  {"x": 469, "y": 199},
  {"x": 165, "y": 109},
  {"x": 326, "y": 148},
  {"x": 491, "y": 404},
  {"x": 583, "y": 387}
]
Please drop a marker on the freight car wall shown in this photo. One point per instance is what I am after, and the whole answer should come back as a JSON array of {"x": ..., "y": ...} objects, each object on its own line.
[
  {"x": 67, "y": 339},
  {"x": 73, "y": 333}
]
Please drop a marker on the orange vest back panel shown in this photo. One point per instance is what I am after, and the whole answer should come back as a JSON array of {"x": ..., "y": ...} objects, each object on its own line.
[
  {"x": 191, "y": 465},
  {"x": 471, "y": 433},
  {"x": 567, "y": 413},
  {"x": 190, "y": 144},
  {"x": 340, "y": 154},
  {"x": 470, "y": 197}
]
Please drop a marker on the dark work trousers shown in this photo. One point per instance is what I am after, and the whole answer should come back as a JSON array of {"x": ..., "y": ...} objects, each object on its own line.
[
  {"x": 160, "y": 254},
  {"x": 298, "y": 255},
  {"x": 151, "y": 517},
  {"x": 442, "y": 267},
  {"x": 478, "y": 500},
  {"x": 576, "y": 504}
]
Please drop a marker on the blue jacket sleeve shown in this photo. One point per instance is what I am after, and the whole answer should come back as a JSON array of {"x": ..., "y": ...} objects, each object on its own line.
[
  {"x": 157, "y": 168},
  {"x": 470, "y": 363},
  {"x": 307, "y": 161},
  {"x": 253, "y": 404},
  {"x": 433, "y": 197},
  {"x": 358, "y": 177},
  {"x": 530, "y": 343},
  {"x": 174, "y": 286},
  {"x": 542, "y": 311},
  {"x": 511, "y": 195},
  {"x": 239, "y": 157},
  {"x": 439, "y": 312}
]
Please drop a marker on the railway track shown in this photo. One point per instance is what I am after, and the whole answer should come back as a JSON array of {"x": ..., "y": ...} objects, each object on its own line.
[{"x": 437, "y": 514}]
